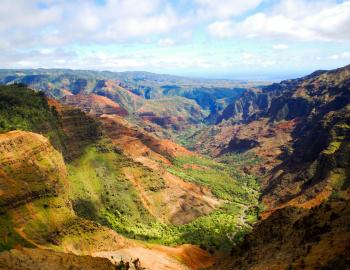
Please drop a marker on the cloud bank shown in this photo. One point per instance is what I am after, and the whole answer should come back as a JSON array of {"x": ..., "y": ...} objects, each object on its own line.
[{"x": 174, "y": 35}]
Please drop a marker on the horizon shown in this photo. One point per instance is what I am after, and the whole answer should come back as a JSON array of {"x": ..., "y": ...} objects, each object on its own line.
[
  {"x": 253, "y": 40},
  {"x": 248, "y": 78}
]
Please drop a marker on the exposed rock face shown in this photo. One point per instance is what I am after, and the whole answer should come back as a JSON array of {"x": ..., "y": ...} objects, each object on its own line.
[
  {"x": 251, "y": 102},
  {"x": 119, "y": 129},
  {"x": 306, "y": 225},
  {"x": 302, "y": 125},
  {"x": 319, "y": 159},
  {"x": 30, "y": 168},
  {"x": 79, "y": 129},
  {"x": 94, "y": 104},
  {"x": 34, "y": 259},
  {"x": 175, "y": 113},
  {"x": 292, "y": 98},
  {"x": 319, "y": 163},
  {"x": 294, "y": 238}
]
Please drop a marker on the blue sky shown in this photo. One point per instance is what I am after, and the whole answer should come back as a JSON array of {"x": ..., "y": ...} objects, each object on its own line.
[{"x": 252, "y": 39}]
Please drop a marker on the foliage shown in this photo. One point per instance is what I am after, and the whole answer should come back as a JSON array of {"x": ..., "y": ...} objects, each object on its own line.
[
  {"x": 9, "y": 237},
  {"x": 227, "y": 182},
  {"x": 97, "y": 180},
  {"x": 332, "y": 148},
  {"x": 24, "y": 109},
  {"x": 100, "y": 191}
]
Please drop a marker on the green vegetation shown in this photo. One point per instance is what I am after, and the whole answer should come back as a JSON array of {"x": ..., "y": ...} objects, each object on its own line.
[
  {"x": 216, "y": 231},
  {"x": 9, "y": 237},
  {"x": 188, "y": 136},
  {"x": 332, "y": 148},
  {"x": 100, "y": 191},
  {"x": 24, "y": 109},
  {"x": 226, "y": 181}
]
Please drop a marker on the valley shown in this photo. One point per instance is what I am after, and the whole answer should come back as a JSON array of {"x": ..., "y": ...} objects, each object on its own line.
[{"x": 99, "y": 167}]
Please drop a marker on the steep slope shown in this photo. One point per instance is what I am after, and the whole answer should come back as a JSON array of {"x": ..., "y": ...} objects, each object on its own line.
[
  {"x": 123, "y": 97},
  {"x": 171, "y": 113},
  {"x": 68, "y": 129},
  {"x": 25, "y": 109},
  {"x": 182, "y": 202},
  {"x": 79, "y": 130},
  {"x": 295, "y": 238},
  {"x": 20, "y": 153},
  {"x": 94, "y": 104},
  {"x": 35, "y": 207},
  {"x": 318, "y": 165},
  {"x": 32, "y": 173},
  {"x": 293, "y": 123},
  {"x": 306, "y": 222}
]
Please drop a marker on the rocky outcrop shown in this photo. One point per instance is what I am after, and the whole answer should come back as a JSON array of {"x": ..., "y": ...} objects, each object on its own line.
[
  {"x": 94, "y": 104},
  {"x": 30, "y": 168},
  {"x": 79, "y": 129},
  {"x": 289, "y": 99},
  {"x": 252, "y": 102},
  {"x": 319, "y": 163},
  {"x": 306, "y": 224},
  {"x": 123, "y": 97},
  {"x": 298, "y": 127},
  {"x": 174, "y": 113},
  {"x": 294, "y": 238},
  {"x": 143, "y": 143}
]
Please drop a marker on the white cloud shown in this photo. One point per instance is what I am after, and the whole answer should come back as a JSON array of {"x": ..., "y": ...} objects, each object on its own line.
[
  {"x": 343, "y": 55},
  {"x": 223, "y": 9},
  {"x": 60, "y": 33},
  {"x": 57, "y": 23},
  {"x": 131, "y": 27},
  {"x": 26, "y": 14},
  {"x": 166, "y": 42},
  {"x": 280, "y": 47},
  {"x": 221, "y": 29},
  {"x": 254, "y": 60},
  {"x": 300, "y": 20}
]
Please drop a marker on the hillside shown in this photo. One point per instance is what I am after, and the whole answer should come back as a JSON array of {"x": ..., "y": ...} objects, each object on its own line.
[
  {"x": 94, "y": 104},
  {"x": 100, "y": 182},
  {"x": 306, "y": 192}
]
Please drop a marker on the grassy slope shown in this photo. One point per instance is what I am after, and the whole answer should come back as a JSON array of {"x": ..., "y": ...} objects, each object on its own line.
[
  {"x": 100, "y": 191},
  {"x": 99, "y": 188},
  {"x": 25, "y": 109}
]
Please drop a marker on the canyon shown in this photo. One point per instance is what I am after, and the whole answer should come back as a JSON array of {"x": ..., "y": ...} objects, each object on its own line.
[{"x": 99, "y": 167}]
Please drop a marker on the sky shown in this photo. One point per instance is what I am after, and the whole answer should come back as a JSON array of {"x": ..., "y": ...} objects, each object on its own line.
[{"x": 238, "y": 39}]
